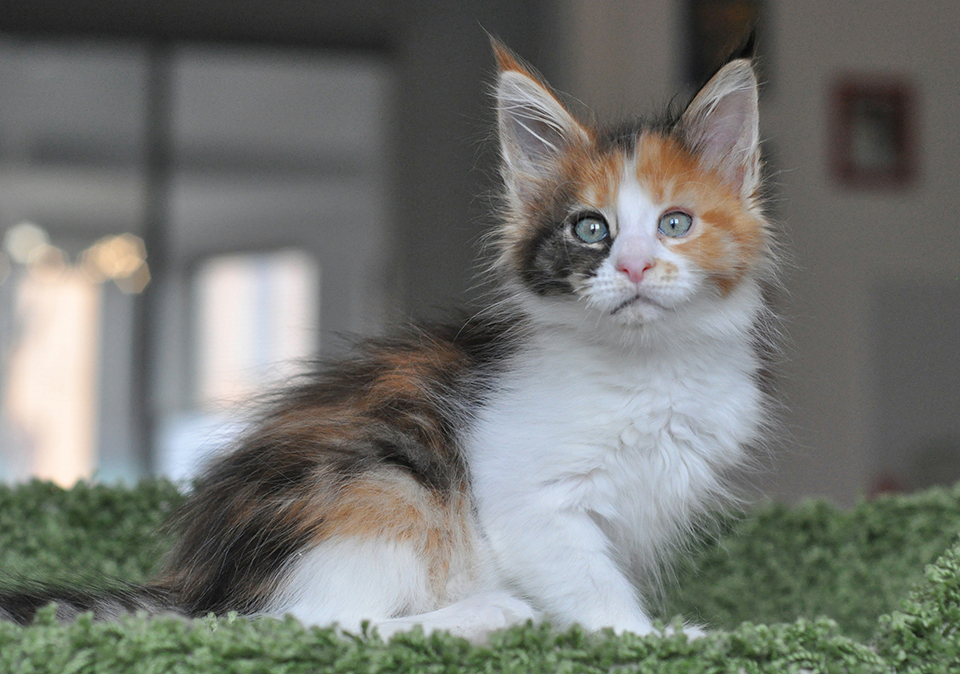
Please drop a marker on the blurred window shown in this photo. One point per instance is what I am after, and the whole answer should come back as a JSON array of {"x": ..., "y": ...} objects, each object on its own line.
[
  {"x": 257, "y": 320},
  {"x": 276, "y": 153},
  {"x": 71, "y": 180}
]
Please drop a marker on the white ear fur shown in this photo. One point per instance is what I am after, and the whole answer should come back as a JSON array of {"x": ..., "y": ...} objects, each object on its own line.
[
  {"x": 721, "y": 125},
  {"x": 534, "y": 127}
]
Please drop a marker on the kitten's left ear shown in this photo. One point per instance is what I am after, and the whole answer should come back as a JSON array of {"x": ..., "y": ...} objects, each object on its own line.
[{"x": 722, "y": 125}]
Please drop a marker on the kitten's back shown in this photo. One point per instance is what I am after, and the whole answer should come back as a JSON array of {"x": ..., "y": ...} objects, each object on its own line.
[{"x": 368, "y": 449}]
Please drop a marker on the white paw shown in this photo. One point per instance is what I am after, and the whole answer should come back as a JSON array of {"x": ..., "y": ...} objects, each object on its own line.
[
  {"x": 472, "y": 618},
  {"x": 496, "y": 613}
]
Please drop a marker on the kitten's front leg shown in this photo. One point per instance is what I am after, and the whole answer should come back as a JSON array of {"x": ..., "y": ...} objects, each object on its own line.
[{"x": 564, "y": 563}]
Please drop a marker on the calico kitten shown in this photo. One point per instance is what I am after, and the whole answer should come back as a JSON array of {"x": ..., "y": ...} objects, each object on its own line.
[{"x": 540, "y": 458}]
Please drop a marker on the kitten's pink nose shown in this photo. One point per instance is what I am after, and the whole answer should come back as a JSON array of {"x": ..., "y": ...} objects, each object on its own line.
[{"x": 634, "y": 269}]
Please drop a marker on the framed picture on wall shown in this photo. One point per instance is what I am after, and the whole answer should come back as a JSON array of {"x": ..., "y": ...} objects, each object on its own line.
[{"x": 872, "y": 134}]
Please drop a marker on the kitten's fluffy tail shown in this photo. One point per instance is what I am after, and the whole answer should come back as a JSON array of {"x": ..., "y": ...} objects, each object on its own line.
[{"x": 21, "y": 605}]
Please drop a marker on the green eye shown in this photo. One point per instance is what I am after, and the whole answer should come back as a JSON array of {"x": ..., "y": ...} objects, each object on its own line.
[
  {"x": 675, "y": 223},
  {"x": 591, "y": 229}
]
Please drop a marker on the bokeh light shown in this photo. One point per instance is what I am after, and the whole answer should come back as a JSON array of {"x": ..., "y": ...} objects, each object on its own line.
[
  {"x": 24, "y": 241},
  {"x": 120, "y": 258}
]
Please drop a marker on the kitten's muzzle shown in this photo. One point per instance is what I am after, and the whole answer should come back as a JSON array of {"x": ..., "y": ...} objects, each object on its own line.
[{"x": 633, "y": 300}]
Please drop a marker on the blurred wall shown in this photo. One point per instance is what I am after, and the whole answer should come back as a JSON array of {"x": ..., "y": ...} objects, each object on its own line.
[
  {"x": 440, "y": 54},
  {"x": 851, "y": 249},
  {"x": 850, "y": 243}
]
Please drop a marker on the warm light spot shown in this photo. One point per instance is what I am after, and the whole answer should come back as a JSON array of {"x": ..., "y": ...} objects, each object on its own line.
[
  {"x": 135, "y": 282},
  {"x": 121, "y": 258}
]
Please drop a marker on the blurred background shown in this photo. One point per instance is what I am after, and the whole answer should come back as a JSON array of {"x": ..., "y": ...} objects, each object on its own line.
[{"x": 196, "y": 195}]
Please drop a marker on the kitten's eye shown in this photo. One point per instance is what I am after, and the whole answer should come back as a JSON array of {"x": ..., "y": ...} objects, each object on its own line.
[
  {"x": 591, "y": 229},
  {"x": 675, "y": 223}
]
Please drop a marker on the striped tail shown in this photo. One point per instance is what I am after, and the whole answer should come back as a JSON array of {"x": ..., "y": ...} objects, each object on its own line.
[{"x": 21, "y": 605}]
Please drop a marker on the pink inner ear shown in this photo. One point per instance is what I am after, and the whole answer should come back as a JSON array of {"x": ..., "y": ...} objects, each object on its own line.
[
  {"x": 725, "y": 136},
  {"x": 725, "y": 128}
]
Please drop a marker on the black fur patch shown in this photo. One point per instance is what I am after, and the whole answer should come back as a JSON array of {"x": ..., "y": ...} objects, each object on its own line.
[{"x": 552, "y": 256}]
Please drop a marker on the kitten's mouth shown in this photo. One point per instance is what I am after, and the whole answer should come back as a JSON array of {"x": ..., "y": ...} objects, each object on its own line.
[{"x": 633, "y": 300}]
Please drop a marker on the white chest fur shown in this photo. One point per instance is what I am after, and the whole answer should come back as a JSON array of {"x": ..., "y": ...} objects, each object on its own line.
[{"x": 636, "y": 441}]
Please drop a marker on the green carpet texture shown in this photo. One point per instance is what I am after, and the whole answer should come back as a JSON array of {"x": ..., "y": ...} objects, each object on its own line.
[{"x": 786, "y": 589}]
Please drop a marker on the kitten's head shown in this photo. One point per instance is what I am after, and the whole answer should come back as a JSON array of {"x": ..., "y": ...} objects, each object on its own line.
[{"x": 633, "y": 224}]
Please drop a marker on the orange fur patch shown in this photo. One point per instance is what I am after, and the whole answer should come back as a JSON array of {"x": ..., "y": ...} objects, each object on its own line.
[
  {"x": 393, "y": 506},
  {"x": 597, "y": 177},
  {"x": 728, "y": 238},
  {"x": 505, "y": 59},
  {"x": 666, "y": 270},
  {"x": 405, "y": 371}
]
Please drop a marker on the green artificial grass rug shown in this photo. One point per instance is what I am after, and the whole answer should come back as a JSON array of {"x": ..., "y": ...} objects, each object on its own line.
[{"x": 804, "y": 589}]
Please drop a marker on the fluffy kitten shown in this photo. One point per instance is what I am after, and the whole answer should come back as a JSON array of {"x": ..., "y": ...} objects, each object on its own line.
[{"x": 538, "y": 459}]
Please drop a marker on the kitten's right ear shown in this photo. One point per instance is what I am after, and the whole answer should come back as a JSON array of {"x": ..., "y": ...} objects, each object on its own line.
[{"x": 534, "y": 127}]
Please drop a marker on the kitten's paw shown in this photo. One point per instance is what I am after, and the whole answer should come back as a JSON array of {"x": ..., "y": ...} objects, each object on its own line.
[
  {"x": 472, "y": 618},
  {"x": 498, "y": 611}
]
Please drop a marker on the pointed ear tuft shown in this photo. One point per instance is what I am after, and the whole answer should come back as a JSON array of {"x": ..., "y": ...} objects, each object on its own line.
[
  {"x": 534, "y": 126},
  {"x": 722, "y": 126},
  {"x": 506, "y": 60}
]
